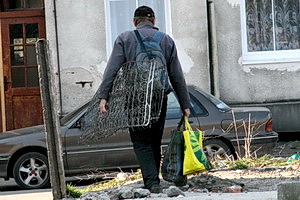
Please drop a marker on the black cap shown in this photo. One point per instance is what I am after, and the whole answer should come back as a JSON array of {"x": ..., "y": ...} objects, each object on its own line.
[{"x": 144, "y": 11}]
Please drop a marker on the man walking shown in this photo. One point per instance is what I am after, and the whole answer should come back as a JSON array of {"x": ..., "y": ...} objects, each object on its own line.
[{"x": 146, "y": 140}]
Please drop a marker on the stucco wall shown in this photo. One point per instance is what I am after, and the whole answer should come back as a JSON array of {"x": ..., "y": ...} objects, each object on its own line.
[
  {"x": 241, "y": 83},
  {"x": 82, "y": 45},
  {"x": 189, "y": 27}
]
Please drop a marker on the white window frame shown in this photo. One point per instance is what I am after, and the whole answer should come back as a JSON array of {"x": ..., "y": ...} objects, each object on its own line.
[
  {"x": 109, "y": 41},
  {"x": 261, "y": 57}
]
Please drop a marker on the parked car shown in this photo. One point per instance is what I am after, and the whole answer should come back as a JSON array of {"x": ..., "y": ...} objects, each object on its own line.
[{"x": 23, "y": 154}]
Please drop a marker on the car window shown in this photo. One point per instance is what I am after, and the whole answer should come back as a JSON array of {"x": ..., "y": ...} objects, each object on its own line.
[
  {"x": 197, "y": 107},
  {"x": 174, "y": 110},
  {"x": 70, "y": 116},
  {"x": 217, "y": 102}
]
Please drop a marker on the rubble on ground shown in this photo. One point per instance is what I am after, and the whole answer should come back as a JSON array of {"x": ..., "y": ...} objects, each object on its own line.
[{"x": 264, "y": 178}]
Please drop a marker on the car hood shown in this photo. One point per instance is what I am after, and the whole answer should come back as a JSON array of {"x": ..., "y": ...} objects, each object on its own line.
[{"x": 22, "y": 131}]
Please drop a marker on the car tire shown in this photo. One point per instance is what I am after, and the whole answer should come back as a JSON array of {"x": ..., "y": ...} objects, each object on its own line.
[
  {"x": 216, "y": 149},
  {"x": 31, "y": 171}
]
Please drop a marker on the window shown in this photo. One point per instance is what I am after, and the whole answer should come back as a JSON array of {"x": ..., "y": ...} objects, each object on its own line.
[
  {"x": 10, "y": 5},
  {"x": 217, "y": 102},
  {"x": 197, "y": 107},
  {"x": 174, "y": 110},
  {"x": 119, "y": 16},
  {"x": 24, "y": 70},
  {"x": 271, "y": 30}
]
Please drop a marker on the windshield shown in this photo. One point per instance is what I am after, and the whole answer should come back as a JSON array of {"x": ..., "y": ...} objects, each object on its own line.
[
  {"x": 217, "y": 102},
  {"x": 73, "y": 114}
]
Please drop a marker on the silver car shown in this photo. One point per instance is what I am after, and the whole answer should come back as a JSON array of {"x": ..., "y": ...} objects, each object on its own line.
[{"x": 23, "y": 153}]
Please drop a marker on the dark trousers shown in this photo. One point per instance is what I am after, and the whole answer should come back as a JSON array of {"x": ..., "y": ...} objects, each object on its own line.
[{"x": 147, "y": 147}]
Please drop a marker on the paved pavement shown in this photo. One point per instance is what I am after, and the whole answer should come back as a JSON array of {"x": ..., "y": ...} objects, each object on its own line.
[
  {"x": 47, "y": 195},
  {"x": 270, "y": 195},
  {"x": 44, "y": 194},
  {"x": 13, "y": 192}
]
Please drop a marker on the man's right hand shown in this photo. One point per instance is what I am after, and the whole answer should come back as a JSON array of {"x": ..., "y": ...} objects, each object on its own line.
[
  {"x": 103, "y": 106},
  {"x": 186, "y": 112}
]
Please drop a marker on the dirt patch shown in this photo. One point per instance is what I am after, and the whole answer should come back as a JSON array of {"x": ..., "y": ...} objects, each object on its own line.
[
  {"x": 286, "y": 149},
  {"x": 256, "y": 179},
  {"x": 264, "y": 178},
  {"x": 260, "y": 179}
]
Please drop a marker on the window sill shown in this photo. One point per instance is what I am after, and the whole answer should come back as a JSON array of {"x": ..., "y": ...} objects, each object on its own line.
[
  {"x": 265, "y": 61},
  {"x": 271, "y": 57}
]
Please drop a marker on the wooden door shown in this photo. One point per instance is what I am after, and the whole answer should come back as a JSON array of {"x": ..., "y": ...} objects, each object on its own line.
[{"x": 21, "y": 83}]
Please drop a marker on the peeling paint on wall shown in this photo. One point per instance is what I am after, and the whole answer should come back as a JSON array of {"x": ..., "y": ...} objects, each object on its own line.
[
  {"x": 185, "y": 60},
  {"x": 272, "y": 67},
  {"x": 97, "y": 72},
  {"x": 84, "y": 59},
  {"x": 234, "y": 3},
  {"x": 74, "y": 93},
  {"x": 101, "y": 67}
]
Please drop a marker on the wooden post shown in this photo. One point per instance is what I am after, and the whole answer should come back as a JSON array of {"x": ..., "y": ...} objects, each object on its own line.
[
  {"x": 51, "y": 120},
  {"x": 2, "y": 93}
]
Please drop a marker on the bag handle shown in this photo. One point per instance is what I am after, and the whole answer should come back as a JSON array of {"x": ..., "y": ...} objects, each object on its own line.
[
  {"x": 187, "y": 125},
  {"x": 185, "y": 122},
  {"x": 138, "y": 36},
  {"x": 180, "y": 123}
]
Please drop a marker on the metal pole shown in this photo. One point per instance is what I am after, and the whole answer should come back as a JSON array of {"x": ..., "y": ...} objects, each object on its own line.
[
  {"x": 51, "y": 120},
  {"x": 214, "y": 65}
]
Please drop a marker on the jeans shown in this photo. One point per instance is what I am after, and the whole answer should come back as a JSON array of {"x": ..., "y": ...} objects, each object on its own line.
[{"x": 147, "y": 147}]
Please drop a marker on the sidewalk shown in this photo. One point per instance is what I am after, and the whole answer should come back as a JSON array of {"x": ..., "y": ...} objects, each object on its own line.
[
  {"x": 47, "y": 195},
  {"x": 44, "y": 194},
  {"x": 270, "y": 195}
]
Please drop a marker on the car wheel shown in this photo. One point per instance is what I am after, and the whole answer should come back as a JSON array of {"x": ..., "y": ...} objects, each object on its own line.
[
  {"x": 31, "y": 171},
  {"x": 216, "y": 149}
]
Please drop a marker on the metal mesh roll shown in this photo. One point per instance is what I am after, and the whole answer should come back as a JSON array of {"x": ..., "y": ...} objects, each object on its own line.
[{"x": 135, "y": 100}]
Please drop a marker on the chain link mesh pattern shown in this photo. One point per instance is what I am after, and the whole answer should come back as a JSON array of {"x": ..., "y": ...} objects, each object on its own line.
[{"x": 135, "y": 100}]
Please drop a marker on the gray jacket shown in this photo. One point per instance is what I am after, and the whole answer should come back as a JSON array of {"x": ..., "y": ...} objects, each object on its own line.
[{"x": 124, "y": 51}]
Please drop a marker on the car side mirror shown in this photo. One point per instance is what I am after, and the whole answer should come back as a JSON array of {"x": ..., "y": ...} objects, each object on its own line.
[{"x": 77, "y": 124}]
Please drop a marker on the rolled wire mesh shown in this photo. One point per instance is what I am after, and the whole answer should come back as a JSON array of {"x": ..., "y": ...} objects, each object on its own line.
[{"x": 135, "y": 100}]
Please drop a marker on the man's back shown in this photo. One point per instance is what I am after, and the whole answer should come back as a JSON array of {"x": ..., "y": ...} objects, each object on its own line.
[{"x": 125, "y": 51}]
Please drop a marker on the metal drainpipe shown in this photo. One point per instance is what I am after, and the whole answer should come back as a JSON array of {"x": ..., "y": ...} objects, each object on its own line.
[
  {"x": 213, "y": 49},
  {"x": 58, "y": 60}
]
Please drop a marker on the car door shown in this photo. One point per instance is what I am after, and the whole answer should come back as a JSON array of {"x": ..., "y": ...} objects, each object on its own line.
[
  {"x": 174, "y": 114},
  {"x": 83, "y": 156},
  {"x": 116, "y": 151}
]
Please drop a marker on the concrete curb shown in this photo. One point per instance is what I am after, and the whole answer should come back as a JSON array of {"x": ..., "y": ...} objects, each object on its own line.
[
  {"x": 44, "y": 194},
  {"x": 288, "y": 191},
  {"x": 47, "y": 195}
]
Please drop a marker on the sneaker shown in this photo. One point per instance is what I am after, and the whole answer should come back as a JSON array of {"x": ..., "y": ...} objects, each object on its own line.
[{"x": 155, "y": 189}]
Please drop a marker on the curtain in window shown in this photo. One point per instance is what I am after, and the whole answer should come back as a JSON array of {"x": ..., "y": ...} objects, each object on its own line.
[
  {"x": 259, "y": 25},
  {"x": 264, "y": 16},
  {"x": 121, "y": 14},
  {"x": 287, "y": 24}
]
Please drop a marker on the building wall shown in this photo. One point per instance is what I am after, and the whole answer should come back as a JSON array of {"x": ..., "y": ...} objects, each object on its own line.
[
  {"x": 81, "y": 37},
  {"x": 256, "y": 83},
  {"x": 189, "y": 24}
]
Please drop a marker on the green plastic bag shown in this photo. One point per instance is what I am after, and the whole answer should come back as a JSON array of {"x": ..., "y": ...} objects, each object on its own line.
[
  {"x": 195, "y": 159},
  {"x": 294, "y": 157},
  {"x": 172, "y": 166}
]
